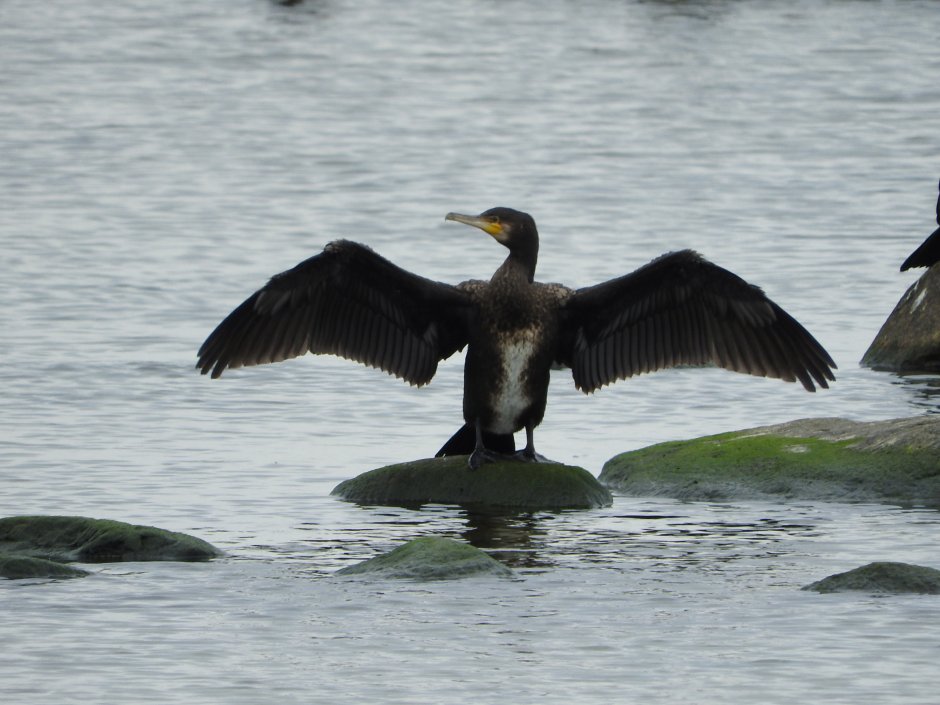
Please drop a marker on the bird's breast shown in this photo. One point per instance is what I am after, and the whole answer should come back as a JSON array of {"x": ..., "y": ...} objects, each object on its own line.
[{"x": 511, "y": 396}]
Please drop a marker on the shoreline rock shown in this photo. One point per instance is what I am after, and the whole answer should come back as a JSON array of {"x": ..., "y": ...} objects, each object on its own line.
[
  {"x": 18, "y": 567},
  {"x": 815, "y": 459},
  {"x": 909, "y": 339},
  {"x": 430, "y": 558},
  {"x": 40, "y": 546},
  {"x": 502, "y": 485},
  {"x": 882, "y": 577}
]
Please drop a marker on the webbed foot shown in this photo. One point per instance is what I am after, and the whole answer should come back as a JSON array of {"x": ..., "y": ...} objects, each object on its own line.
[
  {"x": 481, "y": 455},
  {"x": 530, "y": 456}
]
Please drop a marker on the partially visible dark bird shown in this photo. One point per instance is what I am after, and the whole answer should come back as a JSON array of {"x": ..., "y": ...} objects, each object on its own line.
[
  {"x": 679, "y": 309},
  {"x": 928, "y": 253}
]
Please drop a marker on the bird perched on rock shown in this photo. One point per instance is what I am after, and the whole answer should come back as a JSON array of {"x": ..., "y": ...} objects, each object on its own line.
[
  {"x": 928, "y": 253},
  {"x": 679, "y": 309}
]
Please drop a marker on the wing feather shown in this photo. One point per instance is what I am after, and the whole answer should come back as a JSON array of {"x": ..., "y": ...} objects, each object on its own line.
[
  {"x": 681, "y": 309},
  {"x": 345, "y": 301}
]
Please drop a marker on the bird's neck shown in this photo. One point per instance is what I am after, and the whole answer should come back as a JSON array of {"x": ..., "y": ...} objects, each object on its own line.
[{"x": 519, "y": 266}]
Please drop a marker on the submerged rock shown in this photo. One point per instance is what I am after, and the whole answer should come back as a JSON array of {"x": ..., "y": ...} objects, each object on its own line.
[
  {"x": 882, "y": 577},
  {"x": 505, "y": 485},
  {"x": 909, "y": 340},
  {"x": 829, "y": 459},
  {"x": 15, "y": 567},
  {"x": 430, "y": 558},
  {"x": 68, "y": 538}
]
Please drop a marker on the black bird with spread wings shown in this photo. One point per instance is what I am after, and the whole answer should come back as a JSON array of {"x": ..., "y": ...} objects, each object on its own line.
[
  {"x": 679, "y": 309},
  {"x": 928, "y": 253}
]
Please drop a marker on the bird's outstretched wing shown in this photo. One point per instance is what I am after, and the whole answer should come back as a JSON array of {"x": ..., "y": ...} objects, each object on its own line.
[
  {"x": 681, "y": 309},
  {"x": 345, "y": 301},
  {"x": 926, "y": 255}
]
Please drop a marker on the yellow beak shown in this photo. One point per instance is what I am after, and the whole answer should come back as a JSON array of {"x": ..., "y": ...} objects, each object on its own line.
[{"x": 491, "y": 227}]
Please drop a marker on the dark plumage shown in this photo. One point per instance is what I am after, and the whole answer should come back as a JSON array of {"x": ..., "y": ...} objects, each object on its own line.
[
  {"x": 679, "y": 309},
  {"x": 928, "y": 253}
]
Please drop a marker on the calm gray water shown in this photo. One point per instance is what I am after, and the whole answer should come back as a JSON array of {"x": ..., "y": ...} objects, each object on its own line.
[{"x": 159, "y": 161}]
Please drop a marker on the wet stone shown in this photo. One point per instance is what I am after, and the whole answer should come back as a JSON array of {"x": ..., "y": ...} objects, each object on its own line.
[
  {"x": 882, "y": 577},
  {"x": 17, "y": 567},
  {"x": 430, "y": 558},
  {"x": 501, "y": 485},
  {"x": 909, "y": 340},
  {"x": 894, "y": 461},
  {"x": 71, "y": 538}
]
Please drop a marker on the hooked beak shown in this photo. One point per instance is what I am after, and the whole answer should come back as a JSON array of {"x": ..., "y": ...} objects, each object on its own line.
[{"x": 487, "y": 225}]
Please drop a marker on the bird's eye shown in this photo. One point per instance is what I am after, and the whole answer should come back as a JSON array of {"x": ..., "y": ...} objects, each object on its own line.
[{"x": 494, "y": 219}]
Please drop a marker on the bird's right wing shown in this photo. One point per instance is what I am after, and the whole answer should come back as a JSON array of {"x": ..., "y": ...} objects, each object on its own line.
[{"x": 345, "y": 301}]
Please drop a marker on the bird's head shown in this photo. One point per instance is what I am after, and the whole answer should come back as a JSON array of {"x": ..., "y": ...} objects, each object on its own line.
[{"x": 514, "y": 229}]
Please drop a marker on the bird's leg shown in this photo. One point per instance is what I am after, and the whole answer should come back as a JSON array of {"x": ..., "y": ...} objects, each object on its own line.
[
  {"x": 528, "y": 453},
  {"x": 480, "y": 453}
]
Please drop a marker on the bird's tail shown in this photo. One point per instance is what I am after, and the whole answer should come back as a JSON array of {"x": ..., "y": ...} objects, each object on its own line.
[{"x": 464, "y": 441}]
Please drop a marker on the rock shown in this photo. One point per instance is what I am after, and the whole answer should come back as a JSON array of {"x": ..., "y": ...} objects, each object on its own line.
[
  {"x": 14, "y": 567},
  {"x": 66, "y": 538},
  {"x": 430, "y": 558},
  {"x": 909, "y": 340},
  {"x": 829, "y": 459},
  {"x": 504, "y": 485},
  {"x": 882, "y": 577}
]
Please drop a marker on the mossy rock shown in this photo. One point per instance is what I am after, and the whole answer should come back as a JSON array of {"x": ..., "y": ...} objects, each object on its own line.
[
  {"x": 827, "y": 459},
  {"x": 17, "y": 567},
  {"x": 430, "y": 558},
  {"x": 69, "y": 538},
  {"x": 909, "y": 340},
  {"x": 882, "y": 577},
  {"x": 501, "y": 485}
]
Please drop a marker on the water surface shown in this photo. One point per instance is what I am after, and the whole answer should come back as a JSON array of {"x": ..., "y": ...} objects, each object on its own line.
[{"x": 160, "y": 161}]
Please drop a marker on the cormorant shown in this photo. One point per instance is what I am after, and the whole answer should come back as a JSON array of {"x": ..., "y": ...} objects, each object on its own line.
[
  {"x": 679, "y": 309},
  {"x": 928, "y": 253}
]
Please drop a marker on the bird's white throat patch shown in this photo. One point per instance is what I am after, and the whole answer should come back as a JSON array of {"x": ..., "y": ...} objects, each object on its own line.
[{"x": 511, "y": 398}]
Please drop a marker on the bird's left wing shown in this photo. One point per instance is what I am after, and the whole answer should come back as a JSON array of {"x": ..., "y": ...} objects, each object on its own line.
[
  {"x": 681, "y": 309},
  {"x": 345, "y": 301}
]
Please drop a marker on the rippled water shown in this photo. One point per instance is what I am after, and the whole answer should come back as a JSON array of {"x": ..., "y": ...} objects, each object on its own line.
[{"x": 159, "y": 161}]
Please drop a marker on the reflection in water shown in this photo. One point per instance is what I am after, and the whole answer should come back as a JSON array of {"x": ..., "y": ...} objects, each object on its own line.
[
  {"x": 924, "y": 391},
  {"x": 510, "y": 538},
  {"x": 535, "y": 541}
]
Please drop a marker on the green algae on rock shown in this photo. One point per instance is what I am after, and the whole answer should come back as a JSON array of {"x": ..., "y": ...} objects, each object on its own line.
[
  {"x": 882, "y": 577},
  {"x": 828, "y": 459},
  {"x": 502, "y": 485},
  {"x": 19, "y": 567},
  {"x": 430, "y": 558},
  {"x": 70, "y": 538}
]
